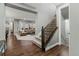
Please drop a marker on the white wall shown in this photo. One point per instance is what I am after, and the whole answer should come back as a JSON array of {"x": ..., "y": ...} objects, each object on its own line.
[
  {"x": 45, "y": 15},
  {"x": 2, "y": 22},
  {"x": 16, "y": 26},
  {"x": 74, "y": 29}
]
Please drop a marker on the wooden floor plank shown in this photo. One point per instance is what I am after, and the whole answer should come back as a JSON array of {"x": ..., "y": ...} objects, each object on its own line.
[{"x": 27, "y": 48}]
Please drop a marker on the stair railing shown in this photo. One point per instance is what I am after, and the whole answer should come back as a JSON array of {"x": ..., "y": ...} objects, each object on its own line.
[{"x": 42, "y": 41}]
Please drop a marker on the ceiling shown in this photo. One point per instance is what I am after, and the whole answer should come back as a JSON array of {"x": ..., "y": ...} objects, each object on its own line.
[
  {"x": 56, "y": 4},
  {"x": 35, "y": 5}
]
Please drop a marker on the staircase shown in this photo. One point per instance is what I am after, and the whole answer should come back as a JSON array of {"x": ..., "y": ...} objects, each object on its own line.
[
  {"x": 49, "y": 31},
  {"x": 43, "y": 38}
]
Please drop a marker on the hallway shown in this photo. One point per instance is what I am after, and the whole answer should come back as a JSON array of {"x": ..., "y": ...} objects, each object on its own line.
[{"x": 27, "y": 48}]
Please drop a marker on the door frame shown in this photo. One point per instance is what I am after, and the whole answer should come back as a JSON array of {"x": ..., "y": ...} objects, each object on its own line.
[{"x": 59, "y": 20}]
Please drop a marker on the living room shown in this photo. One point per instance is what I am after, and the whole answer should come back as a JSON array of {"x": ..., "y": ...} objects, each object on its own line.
[{"x": 17, "y": 21}]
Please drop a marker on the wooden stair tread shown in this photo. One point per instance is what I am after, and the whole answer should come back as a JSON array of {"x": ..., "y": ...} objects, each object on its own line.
[
  {"x": 48, "y": 35},
  {"x": 49, "y": 30}
]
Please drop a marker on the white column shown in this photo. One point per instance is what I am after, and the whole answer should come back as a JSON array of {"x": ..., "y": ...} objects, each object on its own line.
[{"x": 2, "y": 21}]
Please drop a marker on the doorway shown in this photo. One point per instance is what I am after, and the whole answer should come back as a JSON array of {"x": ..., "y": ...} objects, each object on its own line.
[
  {"x": 65, "y": 29},
  {"x": 64, "y": 25}
]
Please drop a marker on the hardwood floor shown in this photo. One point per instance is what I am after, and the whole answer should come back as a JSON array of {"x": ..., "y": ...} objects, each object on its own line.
[{"x": 27, "y": 48}]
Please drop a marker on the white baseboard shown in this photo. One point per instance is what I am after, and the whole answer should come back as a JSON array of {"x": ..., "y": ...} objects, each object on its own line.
[
  {"x": 37, "y": 43},
  {"x": 67, "y": 45},
  {"x": 52, "y": 46}
]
